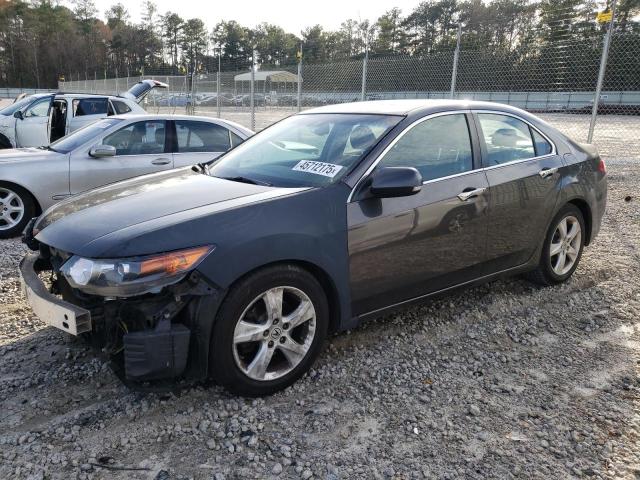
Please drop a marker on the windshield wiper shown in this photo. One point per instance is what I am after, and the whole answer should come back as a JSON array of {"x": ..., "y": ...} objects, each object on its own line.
[{"x": 247, "y": 180}]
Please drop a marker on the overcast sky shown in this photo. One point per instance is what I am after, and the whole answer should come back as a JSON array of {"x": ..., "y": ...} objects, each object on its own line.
[{"x": 291, "y": 15}]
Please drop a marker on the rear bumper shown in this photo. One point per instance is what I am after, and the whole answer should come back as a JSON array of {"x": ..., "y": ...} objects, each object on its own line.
[{"x": 50, "y": 309}]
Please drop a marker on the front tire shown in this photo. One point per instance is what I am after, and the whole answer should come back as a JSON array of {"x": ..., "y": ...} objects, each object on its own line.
[
  {"x": 17, "y": 207},
  {"x": 269, "y": 330},
  {"x": 562, "y": 248},
  {"x": 4, "y": 142}
]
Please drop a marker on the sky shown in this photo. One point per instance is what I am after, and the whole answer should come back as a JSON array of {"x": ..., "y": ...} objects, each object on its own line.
[{"x": 291, "y": 15}]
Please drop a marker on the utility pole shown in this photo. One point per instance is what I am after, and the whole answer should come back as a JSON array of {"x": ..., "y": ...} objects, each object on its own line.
[{"x": 456, "y": 55}]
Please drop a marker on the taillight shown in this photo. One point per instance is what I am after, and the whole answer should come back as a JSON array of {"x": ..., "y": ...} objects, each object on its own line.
[{"x": 602, "y": 168}]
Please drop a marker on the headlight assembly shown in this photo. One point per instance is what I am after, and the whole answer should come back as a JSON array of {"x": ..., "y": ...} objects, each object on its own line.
[{"x": 132, "y": 276}]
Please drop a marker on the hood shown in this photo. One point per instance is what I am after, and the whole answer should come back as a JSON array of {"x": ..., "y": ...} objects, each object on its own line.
[
  {"x": 13, "y": 155},
  {"x": 166, "y": 198}
]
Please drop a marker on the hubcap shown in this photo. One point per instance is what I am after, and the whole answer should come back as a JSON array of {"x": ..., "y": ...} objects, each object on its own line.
[
  {"x": 565, "y": 245},
  {"x": 274, "y": 333},
  {"x": 11, "y": 209}
]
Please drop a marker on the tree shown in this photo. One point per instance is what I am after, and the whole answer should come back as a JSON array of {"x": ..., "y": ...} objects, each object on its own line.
[{"x": 172, "y": 25}]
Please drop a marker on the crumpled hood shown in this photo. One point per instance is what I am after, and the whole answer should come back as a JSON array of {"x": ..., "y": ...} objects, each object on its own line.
[
  {"x": 76, "y": 224},
  {"x": 14, "y": 155}
]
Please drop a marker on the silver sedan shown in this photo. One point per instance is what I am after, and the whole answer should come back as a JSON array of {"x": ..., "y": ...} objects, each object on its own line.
[{"x": 114, "y": 149}]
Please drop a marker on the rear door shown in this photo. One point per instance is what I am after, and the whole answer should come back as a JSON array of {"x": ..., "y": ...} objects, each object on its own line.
[
  {"x": 199, "y": 142},
  {"x": 141, "y": 148},
  {"x": 402, "y": 248},
  {"x": 85, "y": 111},
  {"x": 522, "y": 169},
  {"x": 34, "y": 128}
]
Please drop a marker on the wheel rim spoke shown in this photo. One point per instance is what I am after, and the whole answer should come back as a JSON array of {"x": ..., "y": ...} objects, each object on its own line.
[
  {"x": 258, "y": 367},
  {"x": 249, "y": 332},
  {"x": 293, "y": 351},
  {"x": 562, "y": 229},
  {"x": 11, "y": 209},
  {"x": 300, "y": 315},
  {"x": 273, "y": 301},
  {"x": 555, "y": 249}
]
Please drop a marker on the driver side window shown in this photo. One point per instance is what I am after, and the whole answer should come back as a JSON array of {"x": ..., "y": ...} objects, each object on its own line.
[
  {"x": 437, "y": 147},
  {"x": 40, "y": 108},
  {"x": 139, "y": 138}
]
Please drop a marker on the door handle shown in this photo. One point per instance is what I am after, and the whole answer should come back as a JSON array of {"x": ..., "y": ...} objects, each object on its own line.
[
  {"x": 467, "y": 194},
  {"x": 161, "y": 161},
  {"x": 547, "y": 172}
]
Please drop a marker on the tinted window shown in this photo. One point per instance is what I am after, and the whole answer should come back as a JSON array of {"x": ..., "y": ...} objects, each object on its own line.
[
  {"x": 438, "y": 147},
  {"x": 309, "y": 150},
  {"x": 39, "y": 108},
  {"x": 507, "y": 138},
  {"x": 83, "y": 135},
  {"x": 138, "y": 138},
  {"x": 235, "y": 139},
  {"x": 543, "y": 147},
  {"x": 90, "y": 106},
  {"x": 201, "y": 137},
  {"x": 120, "y": 107}
]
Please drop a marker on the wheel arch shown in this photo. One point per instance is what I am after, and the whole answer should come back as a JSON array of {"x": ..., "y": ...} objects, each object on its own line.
[
  {"x": 320, "y": 274},
  {"x": 4, "y": 138},
  {"x": 587, "y": 215}
]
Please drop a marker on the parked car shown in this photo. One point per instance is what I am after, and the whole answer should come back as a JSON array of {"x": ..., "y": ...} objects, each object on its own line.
[
  {"x": 239, "y": 271},
  {"x": 37, "y": 120},
  {"x": 113, "y": 149}
]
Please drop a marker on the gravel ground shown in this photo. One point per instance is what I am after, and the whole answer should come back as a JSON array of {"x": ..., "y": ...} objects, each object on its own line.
[{"x": 506, "y": 380}]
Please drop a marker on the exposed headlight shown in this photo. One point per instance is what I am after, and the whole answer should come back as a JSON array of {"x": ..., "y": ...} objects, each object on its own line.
[{"x": 132, "y": 276}]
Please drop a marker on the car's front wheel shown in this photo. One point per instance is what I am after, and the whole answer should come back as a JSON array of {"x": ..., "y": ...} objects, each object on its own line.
[
  {"x": 562, "y": 248},
  {"x": 269, "y": 330},
  {"x": 17, "y": 207}
]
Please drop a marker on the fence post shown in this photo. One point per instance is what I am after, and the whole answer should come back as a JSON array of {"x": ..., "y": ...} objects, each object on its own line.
[
  {"x": 603, "y": 67},
  {"x": 456, "y": 55},
  {"x": 218, "y": 81},
  {"x": 363, "y": 90},
  {"x": 251, "y": 100},
  {"x": 299, "y": 79}
]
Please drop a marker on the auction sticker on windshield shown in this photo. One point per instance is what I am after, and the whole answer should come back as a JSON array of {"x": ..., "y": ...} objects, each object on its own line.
[{"x": 319, "y": 168}]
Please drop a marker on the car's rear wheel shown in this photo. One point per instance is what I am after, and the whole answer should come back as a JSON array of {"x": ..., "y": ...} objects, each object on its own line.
[
  {"x": 269, "y": 331},
  {"x": 17, "y": 207},
  {"x": 562, "y": 248},
  {"x": 4, "y": 142}
]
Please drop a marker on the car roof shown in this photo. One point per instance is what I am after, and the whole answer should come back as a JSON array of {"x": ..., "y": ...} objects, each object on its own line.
[
  {"x": 172, "y": 116},
  {"x": 405, "y": 107}
]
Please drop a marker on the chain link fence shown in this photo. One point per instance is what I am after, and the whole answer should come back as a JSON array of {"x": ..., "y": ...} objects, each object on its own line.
[{"x": 584, "y": 78}]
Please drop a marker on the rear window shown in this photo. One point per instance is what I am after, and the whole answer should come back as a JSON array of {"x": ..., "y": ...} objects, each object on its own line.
[
  {"x": 201, "y": 137},
  {"x": 120, "y": 107},
  {"x": 90, "y": 106}
]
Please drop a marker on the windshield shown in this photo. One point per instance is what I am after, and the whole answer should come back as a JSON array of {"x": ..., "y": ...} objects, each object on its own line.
[
  {"x": 310, "y": 150},
  {"x": 14, "y": 107},
  {"x": 83, "y": 135}
]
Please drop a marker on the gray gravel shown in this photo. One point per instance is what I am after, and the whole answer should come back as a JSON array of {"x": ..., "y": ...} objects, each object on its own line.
[{"x": 502, "y": 381}]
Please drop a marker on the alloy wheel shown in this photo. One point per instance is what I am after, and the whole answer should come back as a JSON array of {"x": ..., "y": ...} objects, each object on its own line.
[
  {"x": 274, "y": 333},
  {"x": 565, "y": 245},
  {"x": 11, "y": 209}
]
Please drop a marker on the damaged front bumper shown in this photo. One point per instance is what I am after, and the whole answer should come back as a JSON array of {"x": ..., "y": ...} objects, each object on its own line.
[{"x": 152, "y": 337}]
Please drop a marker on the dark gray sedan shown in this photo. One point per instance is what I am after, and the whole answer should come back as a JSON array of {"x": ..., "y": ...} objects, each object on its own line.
[{"x": 239, "y": 271}]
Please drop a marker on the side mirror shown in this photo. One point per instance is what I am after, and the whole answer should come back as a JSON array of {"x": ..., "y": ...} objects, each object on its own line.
[
  {"x": 101, "y": 151},
  {"x": 395, "y": 182},
  {"x": 18, "y": 115}
]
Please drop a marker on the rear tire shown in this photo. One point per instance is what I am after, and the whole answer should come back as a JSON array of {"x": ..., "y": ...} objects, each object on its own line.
[
  {"x": 269, "y": 330},
  {"x": 562, "y": 249},
  {"x": 17, "y": 207}
]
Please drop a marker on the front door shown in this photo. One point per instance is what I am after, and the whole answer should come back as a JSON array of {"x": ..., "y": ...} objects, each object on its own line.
[
  {"x": 405, "y": 247},
  {"x": 33, "y": 129},
  {"x": 522, "y": 170},
  {"x": 140, "y": 149}
]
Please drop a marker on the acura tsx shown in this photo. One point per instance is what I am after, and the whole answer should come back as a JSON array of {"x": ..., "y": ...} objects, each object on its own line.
[{"x": 238, "y": 270}]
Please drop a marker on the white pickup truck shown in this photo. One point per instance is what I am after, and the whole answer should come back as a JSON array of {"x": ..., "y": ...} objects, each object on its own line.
[{"x": 38, "y": 120}]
